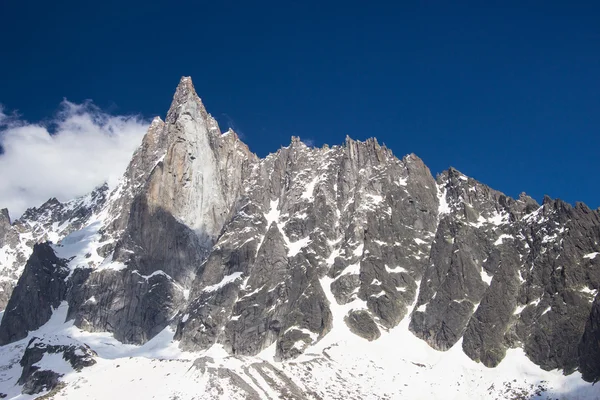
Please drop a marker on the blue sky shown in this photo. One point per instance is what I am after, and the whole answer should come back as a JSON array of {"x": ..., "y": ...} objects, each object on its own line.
[{"x": 506, "y": 92}]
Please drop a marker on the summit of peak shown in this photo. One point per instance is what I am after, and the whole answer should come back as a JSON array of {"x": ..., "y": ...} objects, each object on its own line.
[
  {"x": 186, "y": 82},
  {"x": 185, "y": 94},
  {"x": 185, "y": 88}
]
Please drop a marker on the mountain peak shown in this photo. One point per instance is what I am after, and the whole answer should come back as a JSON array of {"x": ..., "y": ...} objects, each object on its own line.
[
  {"x": 186, "y": 98},
  {"x": 185, "y": 80},
  {"x": 185, "y": 85},
  {"x": 4, "y": 216}
]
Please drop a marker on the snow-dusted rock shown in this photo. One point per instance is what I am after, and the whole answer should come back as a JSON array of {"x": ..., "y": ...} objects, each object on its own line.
[
  {"x": 45, "y": 363},
  {"x": 41, "y": 288}
]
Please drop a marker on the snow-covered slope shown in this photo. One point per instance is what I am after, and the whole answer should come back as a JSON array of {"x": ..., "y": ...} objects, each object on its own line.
[
  {"x": 334, "y": 272},
  {"x": 398, "y": 365},
  {"x": 52, "y": 221}
]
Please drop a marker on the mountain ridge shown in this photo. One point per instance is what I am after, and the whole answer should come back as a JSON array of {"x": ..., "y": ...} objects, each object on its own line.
[{"x": 295, "y": 249}]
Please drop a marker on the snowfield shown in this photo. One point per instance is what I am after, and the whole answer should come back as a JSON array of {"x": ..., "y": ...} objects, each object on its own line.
[{"x": 341, "y": 366}]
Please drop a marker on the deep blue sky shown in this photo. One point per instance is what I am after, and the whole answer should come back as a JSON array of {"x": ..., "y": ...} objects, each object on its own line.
[{"x": 508, "y": 93}]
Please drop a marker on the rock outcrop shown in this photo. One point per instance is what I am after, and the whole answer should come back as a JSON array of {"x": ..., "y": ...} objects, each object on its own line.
[
  {"x": 36, "y": 379},
  {"x": 40, "y": 289}
]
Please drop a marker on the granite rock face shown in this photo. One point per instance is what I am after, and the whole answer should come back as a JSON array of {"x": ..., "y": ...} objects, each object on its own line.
[
  {"x": 589, "y": 350},
  {"x": 9, "y": 238},
  {"x": 247, "y": 253},
  {"x": 305, "y": 235},
  {"x": 40, "y": 289},
  {"x": 6, "y": 233},
  {"x": 191, "y": 177}
]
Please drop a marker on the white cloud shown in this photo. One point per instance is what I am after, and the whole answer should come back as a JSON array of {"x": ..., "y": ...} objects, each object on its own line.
[{"x": 86, "y": 148}]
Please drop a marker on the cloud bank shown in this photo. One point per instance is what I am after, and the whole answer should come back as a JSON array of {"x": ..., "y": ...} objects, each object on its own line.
[{"x": 80, "y": 148}]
